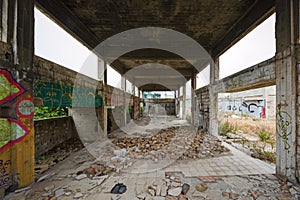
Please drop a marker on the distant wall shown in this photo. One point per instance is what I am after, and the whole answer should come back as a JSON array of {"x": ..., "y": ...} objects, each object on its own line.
[
  {"x": 52, "y": 132},
  {"x": 160, "y": 106}
]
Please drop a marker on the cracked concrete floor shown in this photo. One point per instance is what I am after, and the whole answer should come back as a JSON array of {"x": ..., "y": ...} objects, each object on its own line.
[{"x": 234, "y": 175}]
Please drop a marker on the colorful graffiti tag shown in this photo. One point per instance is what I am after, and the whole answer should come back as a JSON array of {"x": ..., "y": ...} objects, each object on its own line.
[
  {"x": 12, "y": 131},
  {"x": 9, "y": 88},
  {"x": 25, "y": 107},
  {"x": 16, "y": 130},
  {"x": 55, "y": 94}
]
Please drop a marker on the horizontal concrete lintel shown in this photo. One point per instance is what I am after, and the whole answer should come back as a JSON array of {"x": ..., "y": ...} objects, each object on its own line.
[{"x": 257, "y": 76}]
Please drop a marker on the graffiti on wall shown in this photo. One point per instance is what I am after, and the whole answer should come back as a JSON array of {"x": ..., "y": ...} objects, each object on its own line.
[
  {"x": 12, "y": 132},
  {"x": 16, "y": 130},
  {"x": 51, "y": 94},
  {"x": 254, "y": 108},
  {"x": 25, "y": 107},
  {"x": 4, "y": 172},
  {"x": 9, "y": 88},
  {"x": 284, "y": 129}
]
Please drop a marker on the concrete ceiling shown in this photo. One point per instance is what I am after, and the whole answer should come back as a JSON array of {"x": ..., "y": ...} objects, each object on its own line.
[{"x": 214, "y": 24}]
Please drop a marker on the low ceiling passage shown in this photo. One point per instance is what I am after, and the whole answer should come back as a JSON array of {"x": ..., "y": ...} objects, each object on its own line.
[{"x": 215, "y": 25}]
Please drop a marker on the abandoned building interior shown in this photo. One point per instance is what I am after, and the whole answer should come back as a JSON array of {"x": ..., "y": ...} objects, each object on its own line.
[{"x": 131, "y": 145}]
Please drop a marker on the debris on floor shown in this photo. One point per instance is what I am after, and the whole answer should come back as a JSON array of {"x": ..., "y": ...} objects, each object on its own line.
[
  {"x": 176, "y": 142},
  {"x": 57, "y": 154}
]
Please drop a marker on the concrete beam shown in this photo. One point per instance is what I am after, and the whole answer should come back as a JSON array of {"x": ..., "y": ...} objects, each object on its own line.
[
  {"x": 260, "y": 75},
  {"x": 57, "y": 11},
  {"x": 260, "y": 11}
]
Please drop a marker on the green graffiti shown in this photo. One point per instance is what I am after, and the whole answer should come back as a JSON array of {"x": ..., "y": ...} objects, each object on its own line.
[
  {"x": 52, "y": 94},
  {"x": 5, "y": 130},
  {"x": 283, "y": 126}
]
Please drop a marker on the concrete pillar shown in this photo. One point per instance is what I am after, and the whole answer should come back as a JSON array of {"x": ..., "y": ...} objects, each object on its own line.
[
  {"x": 184, "y": 102},
  {"x": 213, "y": 97},
  {"x": 123, "y": 86},
  {"x": 178, "y": 103},
  {"x": 16, "y": 107},
  {"x": 287, "y": 88},
  {"x": 102, "y": 111},
  {"x": 193, "y": 102},
  {"x": 176, "y": 100}
]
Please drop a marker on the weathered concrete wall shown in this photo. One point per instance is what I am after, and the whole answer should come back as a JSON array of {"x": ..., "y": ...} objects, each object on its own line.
[
  {"x": 203, "y": 105},
  {"x": 260, "y": 75},
  {"x": 160, "y": 106},
  {"x": 257, "y": 76},
  {"x": 52, "y": 132},
  {"x": 259, "y": 103},
  {"x": 55, "y": 85}
]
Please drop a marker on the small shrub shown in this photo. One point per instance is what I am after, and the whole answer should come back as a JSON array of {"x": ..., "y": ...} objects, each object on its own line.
[
  {"x": 225, "y": 128},
  {"x": 264, "y": 136},
  {"x": 264, "y": 155},
  {"x": 49, "y": 112}
]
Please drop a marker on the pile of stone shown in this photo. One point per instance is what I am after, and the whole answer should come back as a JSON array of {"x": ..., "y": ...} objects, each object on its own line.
[
  {"x": 150, "y": 143},
  {"x": 203, "y": 146},
  {"x": 172, "y": 143}
]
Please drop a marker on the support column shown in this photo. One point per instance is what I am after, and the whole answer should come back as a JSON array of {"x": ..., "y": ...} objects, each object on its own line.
[
  {"x": 213, "y": 97},
  {"x": 123, "y": 86},
  {"x": 193, "y": 104},
  {"x": 184, "y": 102},
  {"x": 102, "y": 111},
  {"x": 16, "y": 102},
  {"x": 178, "y": 103},
  {"x": 287, "y": 89},
  {"x": 176, "y": 100}
]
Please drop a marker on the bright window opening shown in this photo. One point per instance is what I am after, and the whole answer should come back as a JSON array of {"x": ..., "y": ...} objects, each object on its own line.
[{"x": 257, "y": 46}]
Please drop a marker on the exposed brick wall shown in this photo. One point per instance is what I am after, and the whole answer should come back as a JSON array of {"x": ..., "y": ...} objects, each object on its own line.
[
  {"x": 203, "y": 104},
  {"x": 50, "y": 71},
  {"x": 52, "y": 132}
]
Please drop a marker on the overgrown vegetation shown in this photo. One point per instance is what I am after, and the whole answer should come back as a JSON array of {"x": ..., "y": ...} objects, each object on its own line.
[
  {"x": 244, "y": 130},
  {"x": 49, "y": 112},
  {"x": 264, "y": 135},
  {"x": 227, "y": 127},
  {"x": 264, "y": 155}
]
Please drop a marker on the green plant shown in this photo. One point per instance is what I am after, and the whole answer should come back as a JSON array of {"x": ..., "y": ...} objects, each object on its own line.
[
  {"x": 225, "y": 128},
  {"x": 49, "y": 112},
  {"x": 264, "y": 155},
  {"x": 264, "y": 135}
]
